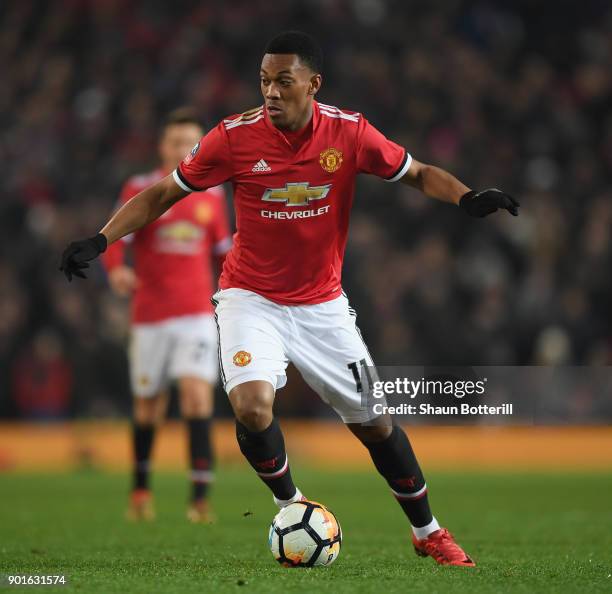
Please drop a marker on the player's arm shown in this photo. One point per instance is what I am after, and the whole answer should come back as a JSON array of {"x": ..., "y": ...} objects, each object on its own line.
[
  {"x": 434, "y": 182},
  {"x": 209, "y": 164},
  {"x": 144, "y": 208},
  {"x": 121, "y": 277},
  {"x": 440, "y": 184},
  {"x": 380, "y": 156}
]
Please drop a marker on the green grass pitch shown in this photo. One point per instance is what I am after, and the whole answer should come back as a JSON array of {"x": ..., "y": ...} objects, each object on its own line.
[{"x": 528, "y": 533}]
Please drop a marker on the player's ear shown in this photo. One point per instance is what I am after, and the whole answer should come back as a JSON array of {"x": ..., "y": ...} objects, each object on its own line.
[{"x": 315, "y": 84}]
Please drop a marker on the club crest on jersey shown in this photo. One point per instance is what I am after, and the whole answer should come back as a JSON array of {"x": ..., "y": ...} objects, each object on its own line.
[
  {"x": 203, "y": 213},
  {"x": 296, "y": 194},
  {"x": 330, "y": 159},
  {"x": 242, "y": 358}
]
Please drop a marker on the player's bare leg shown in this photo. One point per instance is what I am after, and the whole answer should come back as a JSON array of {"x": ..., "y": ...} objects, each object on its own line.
[
  {"x": 261, "y": 440},
  {"x": 196, "y": 402},
  {"x": 394, "y": 459},
  {"x": 148, "y": 414}
]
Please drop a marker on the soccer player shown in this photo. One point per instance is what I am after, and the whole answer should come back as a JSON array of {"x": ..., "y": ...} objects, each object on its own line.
[
  {"x": 173, "y": 334},
  {"x": 293, "y": 163}
]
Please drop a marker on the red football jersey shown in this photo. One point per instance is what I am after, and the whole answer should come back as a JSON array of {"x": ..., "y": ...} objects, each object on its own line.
[
  {"x": 173, "y": 255},
  {"x": 292, "y": 204}
]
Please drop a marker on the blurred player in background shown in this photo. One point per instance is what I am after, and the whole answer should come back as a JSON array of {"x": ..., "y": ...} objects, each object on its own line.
[
  {"x": 293, "y": 163},
  {"x": 173, "y": 334}
]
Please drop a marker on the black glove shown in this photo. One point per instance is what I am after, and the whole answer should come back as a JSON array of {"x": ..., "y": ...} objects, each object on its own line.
[
  {"x": 78, "y": 253},
  {"x": 481, "y": 204}
]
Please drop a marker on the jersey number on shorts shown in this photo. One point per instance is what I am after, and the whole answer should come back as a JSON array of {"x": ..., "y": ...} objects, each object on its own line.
[
  {"x": 354, "y": 367},
  {"x": 198, "y": 353}
]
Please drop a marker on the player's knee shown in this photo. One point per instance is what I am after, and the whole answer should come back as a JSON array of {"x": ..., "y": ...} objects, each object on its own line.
[
  {"x": 196, "y": 397},
  {"x": 255, "y": 415},
  {"x": 145, "y": 411},
  {"x": 252, "y": 404},
  {"x": 370, "y": 433}
]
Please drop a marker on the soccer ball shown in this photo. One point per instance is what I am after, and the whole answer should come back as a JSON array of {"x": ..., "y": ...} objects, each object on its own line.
[{"x": 305, "y": 534}]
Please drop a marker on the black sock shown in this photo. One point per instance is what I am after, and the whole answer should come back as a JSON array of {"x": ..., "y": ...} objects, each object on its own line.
[
  {"x": 201, "y": 458},
  {"x": 143, "y": 442},
  {"x": 265, "y": 451},
  {"x": 396, "y": 462}
]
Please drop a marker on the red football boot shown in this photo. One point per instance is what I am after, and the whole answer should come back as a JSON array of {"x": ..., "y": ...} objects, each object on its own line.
[
  {"x": 199, "y": 512},
  {"x": 140, "y": 506},
  {"x": 441, "y": 545}
]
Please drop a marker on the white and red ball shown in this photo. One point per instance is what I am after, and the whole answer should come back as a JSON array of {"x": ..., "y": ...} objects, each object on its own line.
[{"x": 305, "y": 534}]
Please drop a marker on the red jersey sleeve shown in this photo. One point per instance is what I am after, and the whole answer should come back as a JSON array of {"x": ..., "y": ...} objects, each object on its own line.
[
  {"x": 115, "y": 254},
  {"x": 378, "y": 155},
  {"x": 208, "y": 164},
  {"x": 221, "y": 235}
]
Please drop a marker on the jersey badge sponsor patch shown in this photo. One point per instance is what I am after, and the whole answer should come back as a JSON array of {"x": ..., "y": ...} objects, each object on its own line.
[
  {"x": 242, "y": 358},
  {"x": 261, "y": 166},
  {"x": 180, "y": 231},
  {"x": 296, "y": 193},
  {"x": 330, "y": 159},
  {"x": 192, "y": 154}
]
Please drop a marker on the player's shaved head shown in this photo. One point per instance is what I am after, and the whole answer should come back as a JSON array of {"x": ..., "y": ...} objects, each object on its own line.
[{"x": 290, "y": 78}]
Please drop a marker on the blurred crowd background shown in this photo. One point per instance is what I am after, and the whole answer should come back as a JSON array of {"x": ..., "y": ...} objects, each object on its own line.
[{"x": 515, "y": 95}]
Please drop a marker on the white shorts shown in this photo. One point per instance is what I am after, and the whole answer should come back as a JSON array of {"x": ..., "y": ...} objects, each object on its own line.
[
  {"x": 184, "y": 346},
  {"x": 258, "y": 338}
]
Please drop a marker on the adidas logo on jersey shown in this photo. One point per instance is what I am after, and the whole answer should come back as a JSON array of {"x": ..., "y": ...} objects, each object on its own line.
[{"x": 261, "y": 165}]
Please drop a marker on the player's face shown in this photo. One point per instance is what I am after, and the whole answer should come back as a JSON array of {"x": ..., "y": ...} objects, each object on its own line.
[
  {"x": 176, "y": 141},
  {"x": 288, "y": 87}
]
